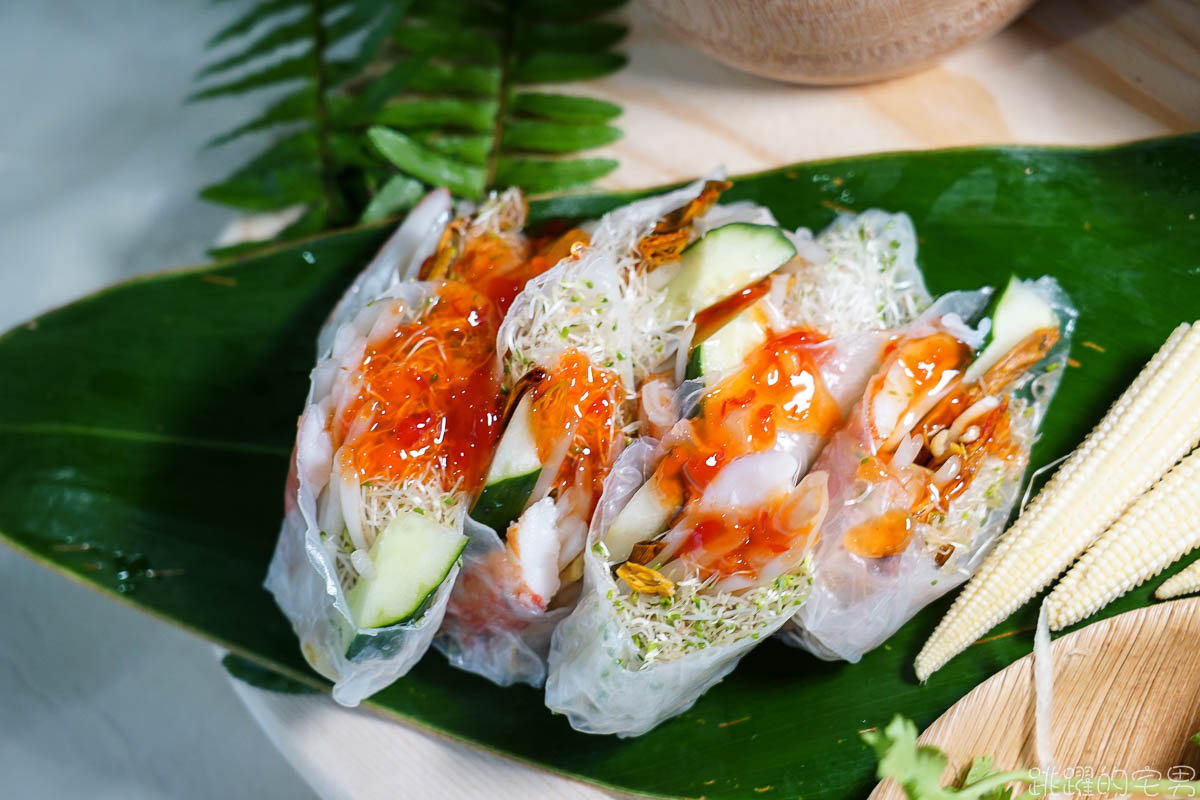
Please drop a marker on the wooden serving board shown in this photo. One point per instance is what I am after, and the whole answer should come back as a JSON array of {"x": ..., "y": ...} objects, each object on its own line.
[{"x": 1126, "y": 696}]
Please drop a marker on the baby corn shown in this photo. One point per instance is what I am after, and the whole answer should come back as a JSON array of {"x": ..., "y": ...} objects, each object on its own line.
[
  {"x": 1186, "y": 582},
  {"x": 1154, "y": 423},
  {"x": 1155, "y": 532}
]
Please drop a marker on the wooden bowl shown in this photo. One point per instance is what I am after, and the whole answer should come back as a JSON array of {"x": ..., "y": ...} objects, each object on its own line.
[{"x": 833, "y": 41}]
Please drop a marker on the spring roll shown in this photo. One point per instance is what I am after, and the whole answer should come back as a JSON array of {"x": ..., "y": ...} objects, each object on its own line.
[
  {"x": 576, "y": 347},
  {"x": 700, "y": 548},
  {"x": 926, "y": 472},
  {"x": 397, "y": 432}
]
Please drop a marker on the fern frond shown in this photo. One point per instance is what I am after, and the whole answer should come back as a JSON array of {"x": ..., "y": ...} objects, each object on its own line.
[
  {"x": 291, "y": 33},
  {"x": 252, "y": 17},
  {"x": 433, "y": 92}
]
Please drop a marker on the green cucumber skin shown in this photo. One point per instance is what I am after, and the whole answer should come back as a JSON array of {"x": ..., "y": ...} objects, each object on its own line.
[
  {"x": 501, "y": 503},
  {"x": 989, "y": 312},
  {"x": 362, "y": 644},
  {"x": 688, "y": 292},
  {"x": 694, "y": 369}
]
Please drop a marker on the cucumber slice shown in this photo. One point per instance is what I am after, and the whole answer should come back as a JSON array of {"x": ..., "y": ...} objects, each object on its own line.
[
  {"x": 728, "y": 346},
  {"x": 412, "y": 557},
  {"x": 1017, "y": 312},
  {"x": 647, "y": 514},
  {"x": 513, "y": 474},
  {"x": 726, "y": 260}
]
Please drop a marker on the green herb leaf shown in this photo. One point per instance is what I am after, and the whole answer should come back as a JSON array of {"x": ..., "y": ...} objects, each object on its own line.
[
  {"x": 983, "y": 767},
  {"x": 918, "y": 769}
]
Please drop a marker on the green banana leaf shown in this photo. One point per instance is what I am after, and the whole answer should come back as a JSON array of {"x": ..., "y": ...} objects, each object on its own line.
[{"x": 144, "y": 436}]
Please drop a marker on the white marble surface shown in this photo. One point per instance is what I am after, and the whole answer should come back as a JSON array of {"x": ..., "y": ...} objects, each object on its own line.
[{"x": 99, "y": 167}]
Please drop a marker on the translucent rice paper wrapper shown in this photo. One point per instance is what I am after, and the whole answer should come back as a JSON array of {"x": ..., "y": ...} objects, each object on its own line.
[
  {"x": 859, "y": 273},
  {"x": 857, "y": 603},
  {"x": 488, "y": 630},
  {"x": 303, "y": 575},
  {"x": 599, "y": 304},
  {"x": 588, "y": 681}
]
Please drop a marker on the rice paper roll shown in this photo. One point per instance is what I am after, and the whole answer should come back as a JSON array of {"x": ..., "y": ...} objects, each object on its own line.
[
  {"x": 689, "y": 570},
  {"x": 928, "y": 468},
  {"x": 576, "y": 346},
  {"x": 647, "y": 640},
  {"x": 725, "y": 514},
  {"x": 394, "y": 441}
]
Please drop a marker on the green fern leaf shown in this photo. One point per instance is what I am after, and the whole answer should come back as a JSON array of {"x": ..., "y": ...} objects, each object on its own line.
[
  {"x": 378, "y": 24},
  {"x": 464, "y": 79},
  {"x": 256, "y": 14},
  {"x": 427, "y": 164},
  {"x": 469, "y": 115},
  {"x": 555, "y": 137},
  {"x": 553, "y": 67},
  {"x": 296, "y": 106},
  {"x": 361, "y": 109},
  {"x": 538, "y": 175},
  {"x": 433, "y": 92},
  {"x": 299, "y": 30},
  {"x": 563, "y": 107},
  {"x": 567, "y": 12},
  {"x": 278, "y": 189},
  {"x": 285, "y": 174},
  {"x": 569, "y": 36},
  {"x": 290, "y": 69},
  {"x": 455, "y": 44},
  {"x": 473, "y": 149},
  {"x": 457, "y": 14},
  {"x": 400, "y": 193}
]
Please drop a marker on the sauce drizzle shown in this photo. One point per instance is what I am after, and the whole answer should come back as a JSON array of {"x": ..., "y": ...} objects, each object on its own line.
[{"x": 428, "y": 399}]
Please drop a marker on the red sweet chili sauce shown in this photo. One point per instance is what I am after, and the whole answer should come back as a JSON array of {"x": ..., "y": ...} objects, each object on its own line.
[
  {"x": 779, "y": 388},
  {"x": 580, "y": 400},
  {"x": 431, "y": 392}
]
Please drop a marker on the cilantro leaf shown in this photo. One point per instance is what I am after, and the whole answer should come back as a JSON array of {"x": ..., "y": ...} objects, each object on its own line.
[
  {"x": 983, "y": 767},
  {"x": 918, "y": 769}
]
